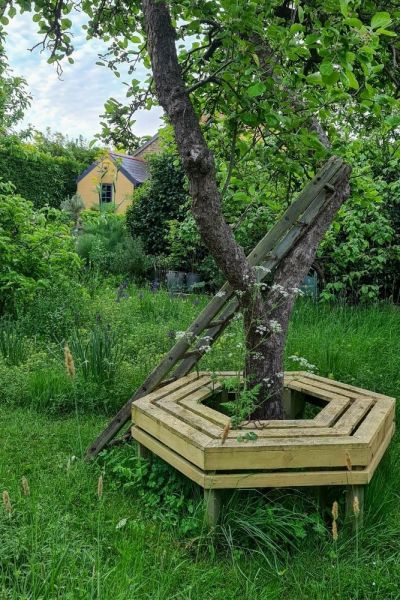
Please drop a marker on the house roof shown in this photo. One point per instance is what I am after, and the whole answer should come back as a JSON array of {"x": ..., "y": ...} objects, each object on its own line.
[
  {"x": 134, "y": 169},
  {"x": 145, "y": 145}
]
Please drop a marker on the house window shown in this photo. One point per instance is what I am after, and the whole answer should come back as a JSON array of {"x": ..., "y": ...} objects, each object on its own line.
[{"x": 106, "y": 193}]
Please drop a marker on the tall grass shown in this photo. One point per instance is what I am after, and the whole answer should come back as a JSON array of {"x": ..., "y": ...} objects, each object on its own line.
[
  {"x": 97, "y": 353},
  {"x": 14, "y": 346}
]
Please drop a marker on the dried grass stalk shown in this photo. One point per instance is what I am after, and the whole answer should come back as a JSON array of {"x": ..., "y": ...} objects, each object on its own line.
[
  {"x": 225, "y": 432},
  {"x": 7, "y": 502},
  {"x": 25, "y": 486},
  {"x": 100, "y": 487},
  {"x": 69, "y": 361}
]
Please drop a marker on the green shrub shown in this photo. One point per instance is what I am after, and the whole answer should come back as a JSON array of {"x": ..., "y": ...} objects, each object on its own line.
[
  {"x": 106, "y": 246},
  {"x": 38, "y": 176},
  {"x": 159, "y": 200},
  {"x": 54, "y": 311},
  {"x": 37, "y": 250}
]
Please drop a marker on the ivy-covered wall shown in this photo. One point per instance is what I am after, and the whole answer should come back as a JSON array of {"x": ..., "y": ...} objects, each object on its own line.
[{"x": 38, "y": 176}]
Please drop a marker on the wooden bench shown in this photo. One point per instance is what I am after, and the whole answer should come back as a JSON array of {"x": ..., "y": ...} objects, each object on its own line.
[{"x": 341, "y": 445}]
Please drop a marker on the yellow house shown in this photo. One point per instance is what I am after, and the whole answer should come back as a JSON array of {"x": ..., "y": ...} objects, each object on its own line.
[{"x": 110, "y": 181}]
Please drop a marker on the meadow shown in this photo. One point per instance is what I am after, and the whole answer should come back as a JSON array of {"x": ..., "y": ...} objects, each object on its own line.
[{"x": 138, "y": 532}]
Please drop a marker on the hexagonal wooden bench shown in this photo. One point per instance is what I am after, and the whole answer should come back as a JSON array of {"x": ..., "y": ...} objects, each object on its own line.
[{"x": 342, "y": 445}]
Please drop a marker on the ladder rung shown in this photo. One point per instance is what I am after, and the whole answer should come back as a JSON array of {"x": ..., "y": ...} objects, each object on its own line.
[
  {"x": 190, "y": 354},
  {"x": 216, "y": 323}
]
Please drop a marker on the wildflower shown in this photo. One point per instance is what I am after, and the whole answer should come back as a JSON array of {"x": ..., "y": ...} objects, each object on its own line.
[
  {"x": 179, "y": 335},
  {"x": 356, "y": 507},
  {"x": 303, "y": 362},
  {"x": 279, "y": 289},
  {"x": 297, "y": 291},
  {"x": 100, "y": 487},
  {"x": 7, "y": 502},
  {"x": 205, "y": 348},
  {"x": 275, "y": 326},
  {"x": 69, "y": 361},
  {"x": 25, "y": 486},
  {"x": 220, "y": 294},
  {"x": 261, "y": 329},
  {"x": 334, "y": 531}
]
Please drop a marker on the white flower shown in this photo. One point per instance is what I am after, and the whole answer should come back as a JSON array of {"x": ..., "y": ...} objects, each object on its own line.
[
  {"x": 277, "y": 287},
  {"x": 261, "y": 329},
  {"x": 297, "y": 291},
  {"x": 220, "y": 294},
  {"x": 303, "y": 362},
  {"x": 204, "y": 348},
  {"x": 275, "y": 326},
  {"x": 179, "y": 335},
  {"x": 121, "y": 523}
]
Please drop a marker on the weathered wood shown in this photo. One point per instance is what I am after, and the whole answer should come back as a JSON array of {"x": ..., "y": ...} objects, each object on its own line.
[
  {"x": 171, "y": 457},
  {"x": 143, "y": 452},
  {"x": 212, "y": 502}
]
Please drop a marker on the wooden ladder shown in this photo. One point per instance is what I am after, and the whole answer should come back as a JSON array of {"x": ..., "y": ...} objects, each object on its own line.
[{"x": 218, "y": 313}]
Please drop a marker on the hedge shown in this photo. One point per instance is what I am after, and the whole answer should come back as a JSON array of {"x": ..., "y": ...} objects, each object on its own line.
[{"x": 37, "y": 176}]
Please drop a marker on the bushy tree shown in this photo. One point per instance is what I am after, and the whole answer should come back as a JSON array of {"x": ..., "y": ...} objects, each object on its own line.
[
  {"x": 162, "y": 198},
  {"x": 36, "y": 247},
  {"x": 287, "y": 76}
]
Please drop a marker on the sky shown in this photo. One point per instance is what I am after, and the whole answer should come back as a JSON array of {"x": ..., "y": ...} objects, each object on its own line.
[{"x": 73, "y": 104}]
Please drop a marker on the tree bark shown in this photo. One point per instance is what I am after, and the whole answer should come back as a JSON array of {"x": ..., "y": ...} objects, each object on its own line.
[{"x": 264, "y": 345}]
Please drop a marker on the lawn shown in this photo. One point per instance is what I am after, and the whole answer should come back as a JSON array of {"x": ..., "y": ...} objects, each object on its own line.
[{"x": 144, "y": 537}]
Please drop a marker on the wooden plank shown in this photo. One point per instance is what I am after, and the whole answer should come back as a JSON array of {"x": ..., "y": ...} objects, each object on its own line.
[
  {"x": 168, "y": 455},
  {"x": 332, "y": 411},
  {"x": 285, "y": 479},
  {"x": 280, "y": 424},
  {"x": 325, "y": 386},
  {"x": 345, "y": 386},
  {"x": 316, "y": 391},
  {"x": 285, "y": 453},
  {"x": 202, "y": 410},
  {"x": 190, "y": 418},
  {"x": 378, "y": 418},
  {"x": 373, "y": 465},
  {"x": 194, "y": 380},
  {"x": 175, "y": 439},
  {"x": 353, "y": 415},
  {"x": 289, "y": 432},
  {"x": 153, "y": 415}
]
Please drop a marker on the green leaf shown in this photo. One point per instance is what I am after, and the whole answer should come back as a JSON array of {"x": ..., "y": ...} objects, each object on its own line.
[
  {"x": 344, "y": 7},
  {"x": 257, "y": 89},
  {"x": 381, "y": 31},
  {"x": 314, "y": 78},
  {"x": 353, "y": 83},
  {"x": 380, "y": 19},
  {"x": 300, "y": 13},
  {"x": 354, "y": 22}
]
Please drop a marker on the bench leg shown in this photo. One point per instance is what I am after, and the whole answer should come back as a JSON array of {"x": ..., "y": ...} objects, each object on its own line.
[
  {"x": 355, "y": 504},
  {"x": 212, "y": 501},
  {"x": 143, "y": 452}
]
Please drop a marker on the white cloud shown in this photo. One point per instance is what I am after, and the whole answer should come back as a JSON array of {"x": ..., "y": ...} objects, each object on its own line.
[{"x": 73, "y": 104}]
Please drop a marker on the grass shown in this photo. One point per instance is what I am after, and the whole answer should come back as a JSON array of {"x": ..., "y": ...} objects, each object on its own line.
[{"x": 145, "y": 538}]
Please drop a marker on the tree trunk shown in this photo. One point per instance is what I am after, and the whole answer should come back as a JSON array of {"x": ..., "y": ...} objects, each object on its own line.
[{"x": 262, "y": 317}]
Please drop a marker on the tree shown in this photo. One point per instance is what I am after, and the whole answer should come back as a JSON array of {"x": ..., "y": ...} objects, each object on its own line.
[
  {"x": 159, "y": 200},
  {"x": 284, "y": 75},
  {"x": 14, "y": 98}
]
